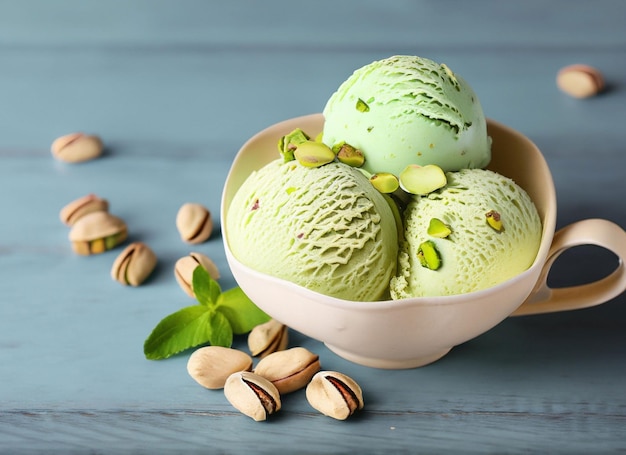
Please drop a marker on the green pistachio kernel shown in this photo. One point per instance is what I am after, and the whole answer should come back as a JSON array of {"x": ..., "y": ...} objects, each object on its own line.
[
  {"x": 313, "y": 154},
  {"x": 494, "y": 220},
  {"x": 439, "y": 229},
  {"x": 385, "y": 182},
  {"x": 422, "y": 180},
  {"x": 112, "y": 241},
  {"x": 288, "y": 143},
  {"x": 349, "y": 155},
  {"x": 428, "y": 255},
  {"x": 362, "y": 106}
]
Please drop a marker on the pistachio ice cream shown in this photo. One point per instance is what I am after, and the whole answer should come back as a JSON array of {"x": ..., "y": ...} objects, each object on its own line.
[
  {"x": 403, "y": 125},
  {"x": 479, "y": 230},
  {"x": 408, "y": 110},
  {"x": 325, "y": 228}
]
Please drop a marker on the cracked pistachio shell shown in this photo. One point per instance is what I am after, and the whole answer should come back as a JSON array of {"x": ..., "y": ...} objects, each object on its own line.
[
  {"x": 267, "y": 338},
  {"x": 252, "y": 395},
  {"x": 184, "y": 267},
  {"x": 76, "y": 147},
  {"x": 97, "y": 232},
  {"x": 289, "y": 370},
  {"x": 134, "y": 264},
  {"x": 334, "y": 394},
  {"x": 194, "y": 223},
  {"x": 81, "y": 207},
  {"x": 210, "y": 366}
]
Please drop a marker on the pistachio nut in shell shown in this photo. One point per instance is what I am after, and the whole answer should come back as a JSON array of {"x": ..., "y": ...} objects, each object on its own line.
[
  {"x": 252, "y": 395},
  {"x": 194, "y": 222},
  {"x": 97, "y": 232},
  {"x": 210, "y": 366},
  {"x": 580, "y": 81},
  {"x": 184, "y": 267},
  {"x": 81, "y": 207},
  {"x": 134, "y": 264},
  {"x": 269, "y": 337},
  {"x": 76, "y": 147},
  {"x": 334, "y": 394},
  {"x": 289, "y": 370}
]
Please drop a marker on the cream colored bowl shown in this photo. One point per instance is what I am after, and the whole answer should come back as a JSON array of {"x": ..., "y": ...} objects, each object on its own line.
[{"x": 414, "y": 332}]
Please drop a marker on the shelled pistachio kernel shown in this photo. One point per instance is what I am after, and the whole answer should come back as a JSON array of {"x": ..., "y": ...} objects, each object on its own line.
[
  {"x": 580, "y": 81},
  {"x": 134, "y": 264},
  {"x": 313, "y": 154},
  {"x": 210, "y": 366},
  {"x": 334, "y": 394},
  {"x": 494, "y": 220},
  {"x": 439, "y": 229},
  {"x": 184, "y": 267},
  {"x": 421, "y": 180},
  {"x": 348, "y": 154},
  {"x": 194, "y": 222},
  {"x": 287, "y": 144},
  {"x": 385, "y": 182},
  {"x": 76, "y": 147},
  {"x": 269, "y": 337},
  {"x": 97, "y": 232},
  {"x": 428, "y": 255},
  {"x": 289, "y": 370},
  {"x": 252, "y": 395},
  {"x": 81, "y": 207}
]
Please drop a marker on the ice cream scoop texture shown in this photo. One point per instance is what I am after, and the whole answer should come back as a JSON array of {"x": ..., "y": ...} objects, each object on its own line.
[
  {"x": 408, "y": 110},
  {"x": 475, "y": 255},
  {"x": 324, "y": 228}
]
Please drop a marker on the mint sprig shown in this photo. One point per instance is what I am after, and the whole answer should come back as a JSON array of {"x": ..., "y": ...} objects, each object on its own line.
[{"x": 214, "y": 320}]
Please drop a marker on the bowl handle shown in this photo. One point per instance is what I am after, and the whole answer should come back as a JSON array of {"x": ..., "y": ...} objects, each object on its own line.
[{"x": 604, "y": 233}]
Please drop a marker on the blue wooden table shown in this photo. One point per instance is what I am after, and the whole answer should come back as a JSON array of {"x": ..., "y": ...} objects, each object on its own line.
[{"x": 174, "y": 88}]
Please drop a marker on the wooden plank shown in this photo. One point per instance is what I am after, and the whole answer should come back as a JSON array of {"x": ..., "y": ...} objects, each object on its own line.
[{"x": 174, "y": 91}]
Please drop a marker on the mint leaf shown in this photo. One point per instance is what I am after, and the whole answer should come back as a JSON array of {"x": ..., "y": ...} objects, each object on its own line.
[
  {"x": 204, "y": 287},
  {"x": 221, "y": 331},
  {"x": 218, "y": 317},
  {"x": 186, "y": 328},
  {"x": 240, "y": 311}
]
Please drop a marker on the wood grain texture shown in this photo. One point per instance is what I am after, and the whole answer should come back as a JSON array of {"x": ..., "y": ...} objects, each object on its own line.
[{"x": 174, "y": 89}]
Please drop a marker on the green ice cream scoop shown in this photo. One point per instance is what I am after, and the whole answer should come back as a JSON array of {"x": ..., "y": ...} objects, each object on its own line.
[
  {"x": 323, "y": 228},
  {"x": 479, "y": 230},
  {"x": 408, "y": 110}
]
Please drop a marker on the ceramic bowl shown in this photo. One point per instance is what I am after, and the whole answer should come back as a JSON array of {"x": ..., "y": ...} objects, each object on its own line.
[{"x": 414, "y": 332}]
